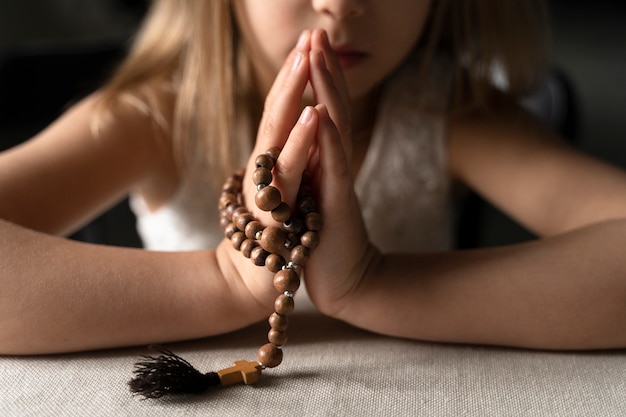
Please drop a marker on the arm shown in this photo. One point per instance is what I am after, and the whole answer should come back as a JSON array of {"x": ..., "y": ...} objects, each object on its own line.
[
  {"x": 59, "y": 295},
  {"x": 565, "y": 291}
]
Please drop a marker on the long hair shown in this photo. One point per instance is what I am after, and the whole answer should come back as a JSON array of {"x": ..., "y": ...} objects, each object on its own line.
[
  {"x": 189, "y": 51},
  {"x": 185, "y": 51},
  {"x": 483, "y": 37}
]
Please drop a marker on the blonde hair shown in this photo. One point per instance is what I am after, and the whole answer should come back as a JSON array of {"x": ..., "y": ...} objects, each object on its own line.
[
  {"x": 192, "y": 47},
  {"x": 186, "y": 49}
]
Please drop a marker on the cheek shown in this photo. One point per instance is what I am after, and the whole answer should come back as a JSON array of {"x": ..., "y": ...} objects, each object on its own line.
[{"x": 268, "y": 32}]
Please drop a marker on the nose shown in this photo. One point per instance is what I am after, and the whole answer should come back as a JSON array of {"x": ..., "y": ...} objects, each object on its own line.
[{"x": 339, "y": 9}]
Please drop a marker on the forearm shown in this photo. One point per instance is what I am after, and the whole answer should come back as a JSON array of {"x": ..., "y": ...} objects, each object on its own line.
[
  {"x": 59, "y": 295},
  {"x": 566, "y": 292}
]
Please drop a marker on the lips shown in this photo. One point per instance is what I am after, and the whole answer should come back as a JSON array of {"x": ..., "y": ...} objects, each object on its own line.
[{"x": 349, "y": 57}]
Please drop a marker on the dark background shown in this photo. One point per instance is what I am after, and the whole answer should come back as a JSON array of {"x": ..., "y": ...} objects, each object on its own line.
[{"x": 589, "y": 46}]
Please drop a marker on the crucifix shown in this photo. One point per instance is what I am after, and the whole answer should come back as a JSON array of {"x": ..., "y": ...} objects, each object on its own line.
[{"x": 242, "y": 371}]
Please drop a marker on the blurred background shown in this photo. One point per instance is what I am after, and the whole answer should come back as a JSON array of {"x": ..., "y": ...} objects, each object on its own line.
[{"x": 589, "y": 48}]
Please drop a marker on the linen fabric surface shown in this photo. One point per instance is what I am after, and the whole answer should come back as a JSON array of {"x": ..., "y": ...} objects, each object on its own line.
[{"x": 329, "y": 369}]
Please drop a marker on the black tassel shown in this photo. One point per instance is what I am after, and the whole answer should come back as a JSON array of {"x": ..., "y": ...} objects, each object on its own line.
[{"x": 168, "y": 373}]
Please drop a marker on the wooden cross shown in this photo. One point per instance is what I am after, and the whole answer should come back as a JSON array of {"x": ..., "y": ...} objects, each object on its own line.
[{"x": 243, "y": 371}]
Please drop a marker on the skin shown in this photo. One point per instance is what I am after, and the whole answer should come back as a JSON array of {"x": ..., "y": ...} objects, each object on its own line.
[{"x": 59, "y": 295}]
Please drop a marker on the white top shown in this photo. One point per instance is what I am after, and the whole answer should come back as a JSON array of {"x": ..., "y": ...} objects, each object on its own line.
[{"x": 403, "y": 186}]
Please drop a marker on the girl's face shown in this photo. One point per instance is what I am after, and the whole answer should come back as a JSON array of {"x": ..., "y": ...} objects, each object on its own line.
[{"x": 371, "y": 37}]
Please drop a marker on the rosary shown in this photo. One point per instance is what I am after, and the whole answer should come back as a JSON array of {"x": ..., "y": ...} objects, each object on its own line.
[{"x": 156, "y": 376}]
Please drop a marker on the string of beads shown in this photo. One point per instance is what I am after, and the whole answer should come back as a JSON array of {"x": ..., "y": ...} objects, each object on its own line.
[{"x": 282, "y": 250}]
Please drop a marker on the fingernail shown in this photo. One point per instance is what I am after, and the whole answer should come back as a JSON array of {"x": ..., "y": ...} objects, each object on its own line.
[
  {"x": 297, "y": 60},
  {"x": 302, "y": 39},
  {"x": 306, "y": 115}
]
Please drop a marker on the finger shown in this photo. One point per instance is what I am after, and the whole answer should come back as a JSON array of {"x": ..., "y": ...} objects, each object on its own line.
[
  {"x": 284, "y": 99},
  {"x": 293, "y": 159},
  {"x": 319, "y": 40},
  {"x": 303, "y": 45},
  {"x": 335, "y": 174},
  {"x": 326, "y": 92}
]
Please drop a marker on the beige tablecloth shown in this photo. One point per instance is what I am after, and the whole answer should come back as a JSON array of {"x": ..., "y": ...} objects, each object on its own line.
[{"x": 330, "y": 369}]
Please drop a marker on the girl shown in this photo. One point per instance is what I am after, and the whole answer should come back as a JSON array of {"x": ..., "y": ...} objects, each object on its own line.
[{"x": 399, "y": 108}]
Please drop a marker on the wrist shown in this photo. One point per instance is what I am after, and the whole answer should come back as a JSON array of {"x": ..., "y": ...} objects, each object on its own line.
[{"x": 351, "y": 287}]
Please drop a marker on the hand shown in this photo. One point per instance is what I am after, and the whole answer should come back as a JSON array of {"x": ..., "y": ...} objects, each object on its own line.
[
  {"x": 283, "y": 126},
  {"x": 338, "y": 265}
]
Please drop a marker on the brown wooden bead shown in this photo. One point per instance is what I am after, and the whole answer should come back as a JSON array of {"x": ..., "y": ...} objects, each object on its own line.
[
  {"x": 313, "y": 221},
  {"x": 273, "y": 239},
  {"x": 242, "y": 220},
  {"x": 252, "y": 229},
  {"x": 237, "y": 238},
  {"x": 284, "y": 305},
  {"x": 262, "y": 176},
  {"x": 226, "y": 199},
  {"x": 230, "y": 209},
  {"x": 274, "y": 262},
  {"x": 224, "y": 222},
  {"x": 264, "y": 161},
  {"x": 310, "y": 239},
  {"x": 238, "y": 174},
  {"x": 230, "y": 229},
  {"x": 237, "y": 211},
  {"x": 300, "y": 255},
  {"x": 268, "y": 198},
  {"x": 281, "y": 213},
  {"x": 278, "y": 322},
  {"x": 246, "y": 247},
  {"x": 286, "y": 280},
  {"x": 294, "y": 225},
  {"x": 291, "y": 241},
  {"x": 277, "y": 338},
  {"x": 305, "y": 191},
  {"x": 273, "y": 152},
  {"x": 258, "y": 255},
  {"x": 307, "y": 204},
  {"x": 269, "y": 355}
]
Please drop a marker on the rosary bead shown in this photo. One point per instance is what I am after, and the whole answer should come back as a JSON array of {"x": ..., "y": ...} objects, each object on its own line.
[
  {"x": 286, "y": 280},
  {"x": 284, "y": 305},
  {"x": 237, "y": 239},
  {"x": 307, "y": 204},
  {"x": 246, "y": 247},
  {"x": 273, "y": 152},
  {"x": 230, "y": 229},
  {"x": 224, "y": 221},
  {"x": 313, "y": 221},
  {"x": 268, "y": 198},
  {"x": 305, "y": 190},
  {"x": 262, "y": 176},
  {"x": 278, "y": 322},
  {"x": 258, "y": 255},
  {"x": 226, "y": 199},
  {"x": 237, "y": 211},
  {"x": 252, "y": 229},
  {"x": 281, "y": 213},
  {"x": 291, "y": 241},
  {"x": 294, "y": 225},
  {"x": 300, "y": 255},
  {"x": 277, "y": 338},
  {"x": 264, "y": 161},
  {"x": 269, "y": 355},
  {"x": 273, "y": 239},
  {"x": 274, "y": 262},
  {"x": 242, "y": 220},
  {"x": 310, "y": 239}
]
